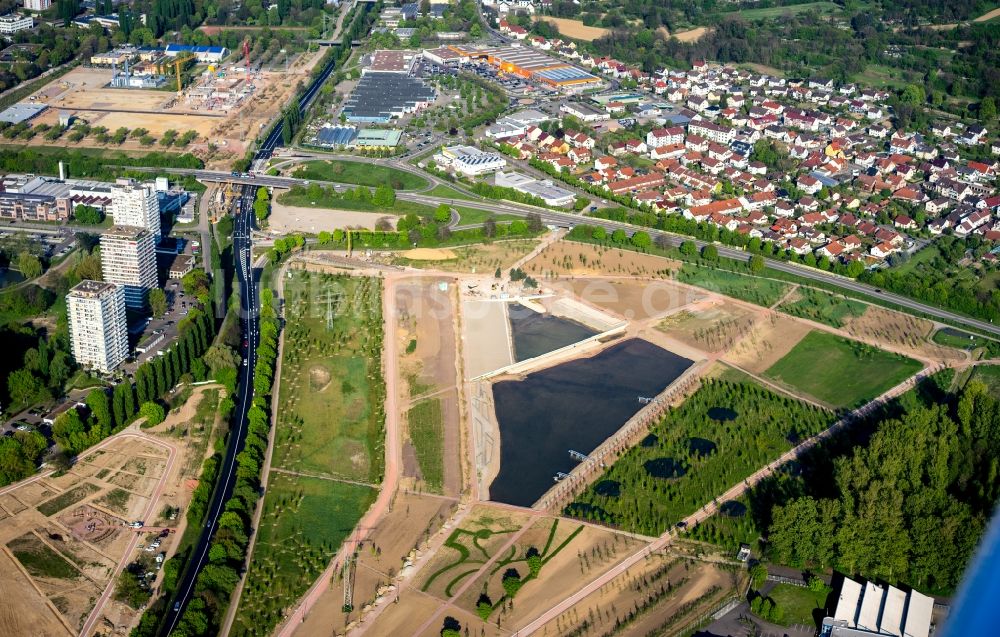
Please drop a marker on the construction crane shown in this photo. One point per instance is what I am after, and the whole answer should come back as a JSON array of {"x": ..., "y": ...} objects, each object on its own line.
[{"x": 246, "y": 55}]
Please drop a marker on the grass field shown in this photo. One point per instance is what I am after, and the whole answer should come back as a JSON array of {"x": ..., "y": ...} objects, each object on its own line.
[
  {"x": 747, "y": 288},
  {"x": 990, "y": 375},
  {"x": 822, "y": 307},
  {"x": 468, "y": 216},
  {"x": 331, "y": 394},
  {"x": 877, "y": 75},
  {"x": 360, "y": 173},
  {"x": 303, "y": 524},
  {"x": 952, "y": 337},
  {"x": 300, "y": 197},
  {"x": 447, "y": 192},
  {"x": 39, "y": 560},
  {"x": 718, "y": 436},
  {"x": 840, "y": 372},
  {"x": 67, "y": 498},
  {"x": 768, "y": 13},
  {"x": 426, "y": 425},
  {"x": 800, "y": 605}
]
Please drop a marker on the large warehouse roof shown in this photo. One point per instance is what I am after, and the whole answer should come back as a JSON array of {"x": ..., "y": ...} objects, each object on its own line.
[
  {"x": 380, "y": 96},
  {"x": 21, "y": 112}
]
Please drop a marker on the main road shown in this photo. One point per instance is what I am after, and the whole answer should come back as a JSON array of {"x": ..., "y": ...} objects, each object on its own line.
[{"x": 570, "y": 219}]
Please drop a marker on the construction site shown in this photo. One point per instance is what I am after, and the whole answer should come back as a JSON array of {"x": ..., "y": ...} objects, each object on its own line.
[{"x": 228, "y": 102}]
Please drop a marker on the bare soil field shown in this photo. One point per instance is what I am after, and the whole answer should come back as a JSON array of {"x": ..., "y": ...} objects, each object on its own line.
[
  {"x": 767, "y": 343},
  {"x": 672, "y": 591},
  {"x": 487, "y": 337},
  {"x": 427, "y": 319},
  {"x": 393, "y": 544},
  {"x": 630, "y": 299},
  {"x": 286, "y": 219},
  {"x": 575, "y": 29},
  {"x": 429, "y": 254},
  {"x": 24, "y": 610},
  {"x": 566, "y": 258},
  {"x": 900, "y": 332},
  {"x": 691, "y": 35},
  {"x": 711, "y": 326}
]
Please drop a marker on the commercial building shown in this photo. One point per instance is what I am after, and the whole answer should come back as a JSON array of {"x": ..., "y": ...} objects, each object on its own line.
[
  {"x": 584, "y": 112},
  {"x": 98, "y": 331},
  {"x": 21, "y": 112},
  {"x": 469, "y": 160},
  {"x": 378, "y": 138},
  {"x": 31, "y": 207},
  {"x": 37, "y": 5},
  {"x": 870, "y": 609},
  {"x": 532, "y": 65},
  {"x": 445, "y": 55},
  {"x": 335, "y": 136},
  {"x": 204, "y": 54},
  {"x": 379, "y": 97},
  {"x": 545, "y": 190},
  {"x": 390, "y": 61},
  {"x": 135, "y": 204},
  {"x": 13, "y": 22},
  {"x": 128, "y": 258}
]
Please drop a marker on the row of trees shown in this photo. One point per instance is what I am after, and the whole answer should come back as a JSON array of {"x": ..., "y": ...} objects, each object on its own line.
[{"x": 216, "y": 581}]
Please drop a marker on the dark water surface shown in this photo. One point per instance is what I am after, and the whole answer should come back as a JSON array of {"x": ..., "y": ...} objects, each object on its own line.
[
  {"x": 536, "y": 334},
  {"x": 575, "y": 405}
]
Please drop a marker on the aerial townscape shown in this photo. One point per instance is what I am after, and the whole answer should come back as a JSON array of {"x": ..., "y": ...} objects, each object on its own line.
[{"x": 498, "y": 318}]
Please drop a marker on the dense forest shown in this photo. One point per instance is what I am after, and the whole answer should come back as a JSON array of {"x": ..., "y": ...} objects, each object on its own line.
[{"x": 907, "y": 506}]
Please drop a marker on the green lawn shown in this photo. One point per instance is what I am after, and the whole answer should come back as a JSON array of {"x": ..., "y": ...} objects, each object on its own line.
[
  {"x": 747, "y": 288},
  {"x": 426, "y": 425},
  {"x": 951, "y": 337},
  {"x": 468, "y": 216},
  {"x": 876, "y": 75},
  {"x": 67, "y": 498},
  {"x": 840, "y": 372},
  {"x": 822, "y": 306},
  {"x": 360, "y": 173},
  {"x": 716, "y": 438},
  {"x": 775, "y": 12},
  {"x": 330, "y": 400},
  {"x": 303, "y": 523},
  {"x": 799, "y": 604},
  {"x": 300, "y": 197},
  {"x": 39, "y": 560},
  {"x": 447, "y": 192},
  {"x": 989, "y": 374}
]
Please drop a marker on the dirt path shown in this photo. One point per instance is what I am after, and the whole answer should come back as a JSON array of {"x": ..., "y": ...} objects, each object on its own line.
[{"x": 393, "y": 464}]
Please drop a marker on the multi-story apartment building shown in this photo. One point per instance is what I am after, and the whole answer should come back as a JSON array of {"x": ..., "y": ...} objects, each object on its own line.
[
  {"x": 98, "y": 332},
  {"x": 128, "y": 258},
  {"x": 135, "y": 204}
]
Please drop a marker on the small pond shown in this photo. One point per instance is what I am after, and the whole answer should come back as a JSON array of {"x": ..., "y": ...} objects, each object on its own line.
[{"x": 9, "y": 277}]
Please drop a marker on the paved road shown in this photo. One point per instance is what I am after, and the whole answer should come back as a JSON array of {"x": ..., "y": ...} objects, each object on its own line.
[{"x": 570, "y": 219}]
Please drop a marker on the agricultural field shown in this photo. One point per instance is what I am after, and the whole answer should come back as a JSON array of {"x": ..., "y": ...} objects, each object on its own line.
[
  {"x": 426, "y": 432},
  {"x": 721, "y": 434},
  {"x": 360, "y": 173},
  {"x": 840, "y": 372},
  {"x": 329, "y": 437},
  {"x": 575, "y": 28},
  {"x": 745, "y": 288},
  {"x": 820, "y": 306}
]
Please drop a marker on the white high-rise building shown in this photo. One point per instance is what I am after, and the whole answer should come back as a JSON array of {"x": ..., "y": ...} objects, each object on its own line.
[
  {"x": 98, "y": 332},
  {"x": 128, "y": 258},
  {"x": 37, "y": 5},
  {"x": 135, "y": 204}
]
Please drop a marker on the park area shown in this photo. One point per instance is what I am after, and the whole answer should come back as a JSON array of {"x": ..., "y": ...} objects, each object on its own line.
[
  {"x": 359, "y": 173},
  {"x": 329, "y": 436},
  {"x": 840, "y": 372},
  {"x": 752, "y": 289},
  {"x": 717, "y": 437}
]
